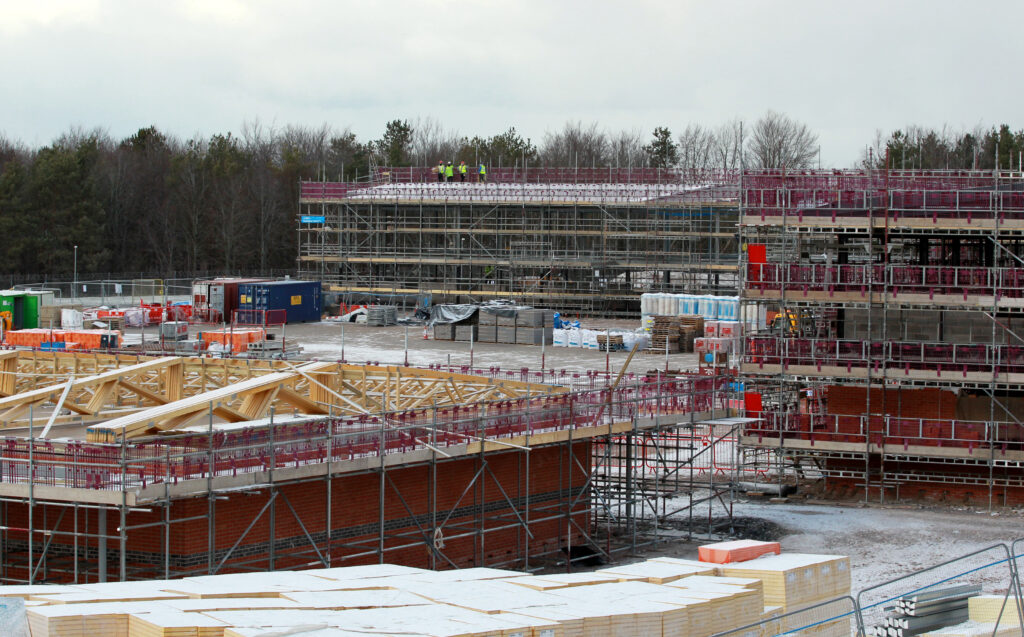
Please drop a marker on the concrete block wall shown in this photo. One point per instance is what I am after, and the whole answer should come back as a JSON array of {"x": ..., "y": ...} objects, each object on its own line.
[{"x": 933, "y": 326}]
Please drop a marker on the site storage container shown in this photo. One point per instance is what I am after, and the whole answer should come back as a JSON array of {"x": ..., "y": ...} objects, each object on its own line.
[
  {"x": 23, "y": 309},
  {"x": 301, "y": 300},
  {"x": 216, "y": 299}
]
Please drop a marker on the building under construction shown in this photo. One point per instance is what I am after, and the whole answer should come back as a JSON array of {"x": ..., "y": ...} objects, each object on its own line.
[
  {"x": 578, "y": 240},
  {"x": 891, "y": 352},
  {"x": 133, "y": 467}
]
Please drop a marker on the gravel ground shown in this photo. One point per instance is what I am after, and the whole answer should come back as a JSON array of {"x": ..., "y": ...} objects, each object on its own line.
[{"x": 387, "y": 345}]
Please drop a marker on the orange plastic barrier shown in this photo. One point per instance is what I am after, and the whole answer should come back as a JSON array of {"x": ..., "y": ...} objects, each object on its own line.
[
  {"x": 238, "y": 339},
  {"x": 736, "y": 551},
  {"x": 82, "y": 339}
]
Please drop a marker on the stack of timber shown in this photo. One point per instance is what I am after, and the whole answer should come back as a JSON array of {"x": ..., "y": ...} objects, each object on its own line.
[
  {"x": 691, "y": 327},
  {"x": 665, "y": 334},
  {"x": 926, "y": 611},
  {"x": 610, "y": 342},
  {"x": 663, "y": 596},
  {"x": 381, "y": 315}
]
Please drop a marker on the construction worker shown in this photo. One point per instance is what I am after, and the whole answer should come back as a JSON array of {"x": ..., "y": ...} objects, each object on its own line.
[
  {"x": 482, "y": 174},
  {"x": 440, "y": 171},
  {"x": 462, "y": 170},
  {"x": 449, "y": 172}
]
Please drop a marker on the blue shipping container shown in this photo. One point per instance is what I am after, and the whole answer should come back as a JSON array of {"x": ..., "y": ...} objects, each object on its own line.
[{"x": 300, "y": 299}]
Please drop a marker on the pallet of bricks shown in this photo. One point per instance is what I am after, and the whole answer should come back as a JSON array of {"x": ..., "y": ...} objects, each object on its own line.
[
  {"x": 525, "y": 326},
  {"x": 691, "y": 327},
  {"x": 665, "y": 335},
  {"x": 659, "y": 597}
]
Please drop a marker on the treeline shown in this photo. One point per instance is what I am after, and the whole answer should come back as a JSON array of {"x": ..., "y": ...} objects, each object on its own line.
[
  {"x": 917, "y": 147},
  {"x": 157, "y": 203}
]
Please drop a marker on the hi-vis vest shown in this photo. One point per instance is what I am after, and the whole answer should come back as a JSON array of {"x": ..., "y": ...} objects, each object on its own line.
[
  {"x": 462, "y": 168},
  {"x": 448, "y": 171},
  {"x": 483, "y": 169}
]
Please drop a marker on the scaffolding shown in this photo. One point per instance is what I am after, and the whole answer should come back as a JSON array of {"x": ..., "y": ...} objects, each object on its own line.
[
  {"x": 897, "y": 365},
  {"x": 513, "y": 470},
  {"x": 582, "y": 241}
]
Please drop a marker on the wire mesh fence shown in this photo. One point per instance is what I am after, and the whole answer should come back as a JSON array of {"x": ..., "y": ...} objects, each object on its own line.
[
  {"x": 829, "y": 618},
  {"x": 978, "y": 590},
  {"x": 975, "y": 594}
]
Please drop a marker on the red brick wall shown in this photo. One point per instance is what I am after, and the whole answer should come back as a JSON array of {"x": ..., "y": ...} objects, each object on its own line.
[
  {"x": 554, "y": 482},
  {"x": 899, "y": 403}
]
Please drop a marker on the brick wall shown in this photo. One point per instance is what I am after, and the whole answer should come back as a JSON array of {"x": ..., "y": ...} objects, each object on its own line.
[
  {"x": 901, "y": 403},
  {"x": 479, "y": 520}
]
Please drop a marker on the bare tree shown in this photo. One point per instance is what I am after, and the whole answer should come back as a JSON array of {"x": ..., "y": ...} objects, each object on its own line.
[
  {"x": 778, "y": 141},
  {"x": 697, "y": 147},
  {"x": 873, "y": 155},
  {"x": 626, "y": 149},
  {"x": 728, "y": 150},
  {"x": 190, "y": 190},
  {"x": 575, "y": 145},
  {"x": 432, "y": 143},
  {"x": 309, "y": 147},
  {"x": 263, "y": 187}
]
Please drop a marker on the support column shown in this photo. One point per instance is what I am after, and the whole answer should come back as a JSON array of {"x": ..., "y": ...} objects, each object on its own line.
[{"x": 101, "y": 544}]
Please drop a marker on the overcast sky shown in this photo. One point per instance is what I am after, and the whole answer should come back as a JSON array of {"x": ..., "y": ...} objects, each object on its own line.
[{"x": 479, "y": 66}]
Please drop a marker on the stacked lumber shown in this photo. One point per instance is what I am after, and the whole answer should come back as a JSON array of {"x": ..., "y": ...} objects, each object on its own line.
[
  {"x": 662, "y": 596},
  {"x": 926, "y": 611},
  {"x": 610, "y": 342},
  {"x": 736, "y": 551},
  {"x": 691, "y": 327},
  {"x": 665, "y": 334}
]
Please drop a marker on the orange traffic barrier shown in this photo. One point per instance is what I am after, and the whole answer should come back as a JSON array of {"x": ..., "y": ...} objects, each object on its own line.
[
  {"x": 83, "y": 339},
  {"x": 238, "y": 339},
  {"x": 736, "y": 551}
]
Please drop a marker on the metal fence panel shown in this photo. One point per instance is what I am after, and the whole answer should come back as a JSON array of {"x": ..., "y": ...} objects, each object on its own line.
[
  {"x": 831, "y": 618},
  {"x": 936, "y": 597}
]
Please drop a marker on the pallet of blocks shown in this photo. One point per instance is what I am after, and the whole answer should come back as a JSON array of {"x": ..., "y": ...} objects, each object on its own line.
[
  {"x": 661, "y": 596},
  {"x": 665, "y": 334}
]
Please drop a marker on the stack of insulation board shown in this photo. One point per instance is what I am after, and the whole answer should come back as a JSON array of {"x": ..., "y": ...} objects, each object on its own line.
[
  {"x": 993, "y": 608},
  {"x": 795, "y": 581},
  {"x": 663, "y": 596}
]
